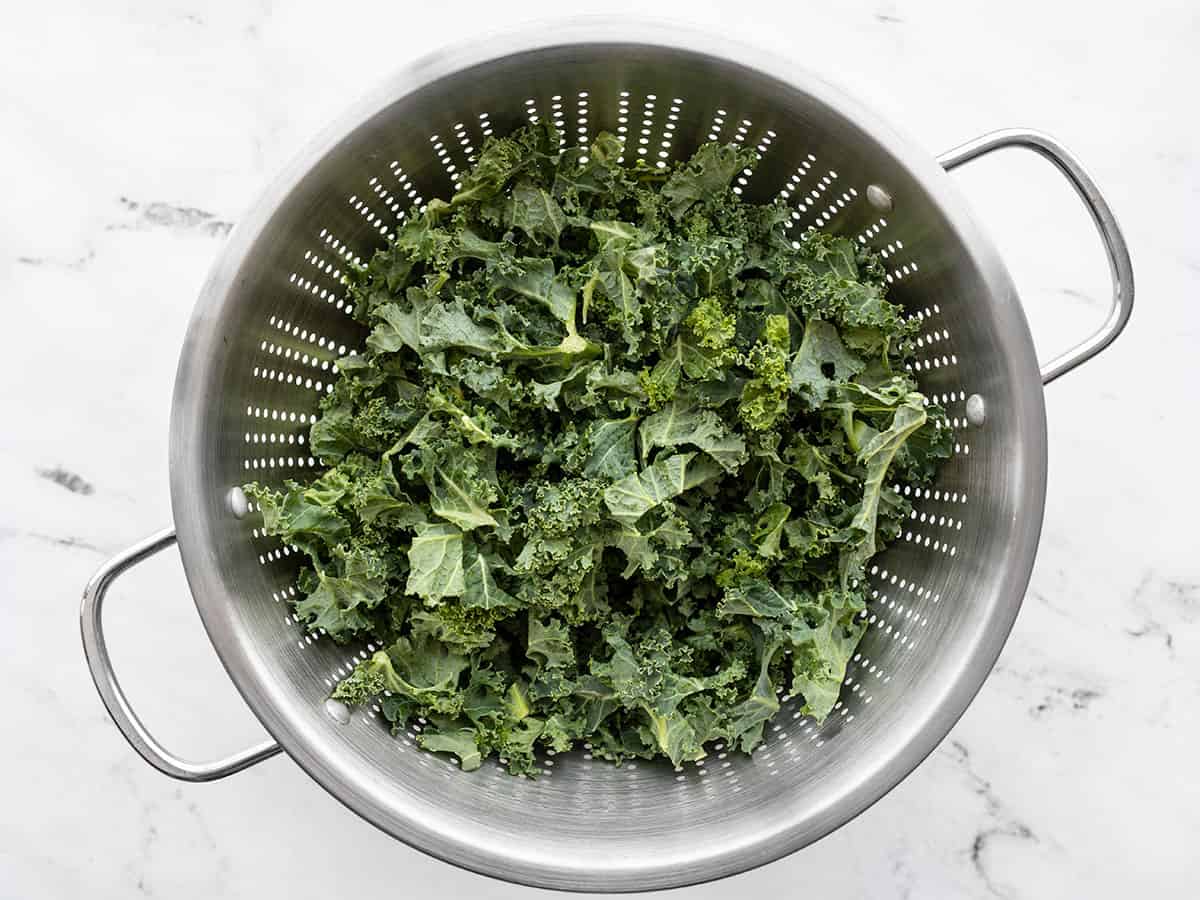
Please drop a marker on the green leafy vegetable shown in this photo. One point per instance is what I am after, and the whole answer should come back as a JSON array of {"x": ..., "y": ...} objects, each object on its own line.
[
  {"x": 610, "y": 463},
  {"x": 435, "y": 563}
]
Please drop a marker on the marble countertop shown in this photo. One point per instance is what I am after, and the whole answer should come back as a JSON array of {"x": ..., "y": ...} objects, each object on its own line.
[{"x": 136, "y": 132}]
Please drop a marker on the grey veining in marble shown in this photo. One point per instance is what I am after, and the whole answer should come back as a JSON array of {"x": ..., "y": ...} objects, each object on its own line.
[{"x": 135, "y": 133}]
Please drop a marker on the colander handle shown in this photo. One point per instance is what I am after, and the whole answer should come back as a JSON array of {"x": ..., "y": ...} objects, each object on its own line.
[
  {"x": 110, "y": 690},
  {"x": 1110, "y": 233}
]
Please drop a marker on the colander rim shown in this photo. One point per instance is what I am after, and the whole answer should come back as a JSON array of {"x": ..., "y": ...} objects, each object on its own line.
[{"x": 445, "y": 837}]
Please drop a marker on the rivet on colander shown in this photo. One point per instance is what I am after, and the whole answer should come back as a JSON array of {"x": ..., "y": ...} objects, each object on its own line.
[
  {"x": 976, "y": 410},
  {"x": 238, "y": 505},
  {"x": 338, "y": 711},
  {"x": 879, "y": 198}
]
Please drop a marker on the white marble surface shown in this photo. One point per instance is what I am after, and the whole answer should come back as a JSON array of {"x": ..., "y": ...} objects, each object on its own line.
[{"x": 135, "y": 131}]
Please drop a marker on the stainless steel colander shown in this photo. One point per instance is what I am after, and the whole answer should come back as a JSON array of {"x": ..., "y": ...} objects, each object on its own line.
[{"x": 273, "y": 317}]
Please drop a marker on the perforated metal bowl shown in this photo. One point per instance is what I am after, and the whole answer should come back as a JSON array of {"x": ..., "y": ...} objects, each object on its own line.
[{"x": 273, "y": 317}]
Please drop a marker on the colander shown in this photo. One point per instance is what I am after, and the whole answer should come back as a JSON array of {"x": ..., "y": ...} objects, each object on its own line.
[{"x": 273, "y": 317}]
